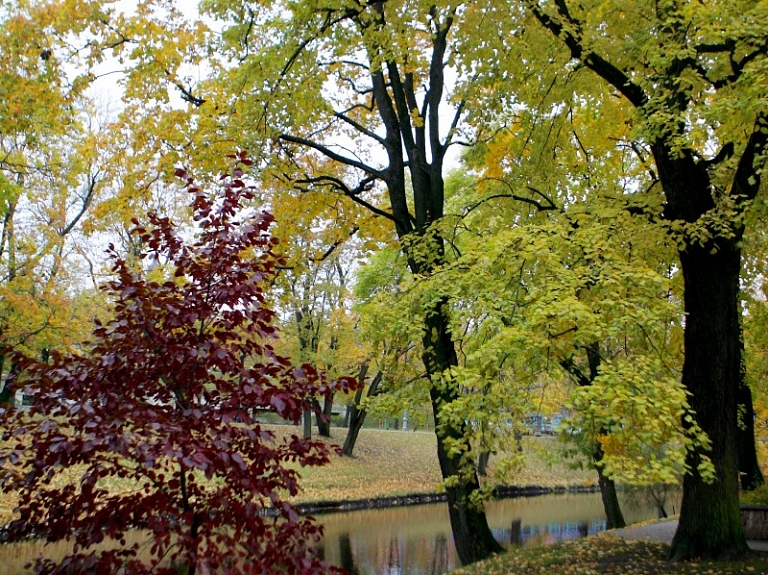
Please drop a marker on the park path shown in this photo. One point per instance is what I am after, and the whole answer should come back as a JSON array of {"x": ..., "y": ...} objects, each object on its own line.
[{"x": 664, "y": 531}]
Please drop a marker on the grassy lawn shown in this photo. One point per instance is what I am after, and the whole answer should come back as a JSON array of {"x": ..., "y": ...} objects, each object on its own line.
[
  {"x": 607, "y": 554},
  {"x": 388, "y": 463},
  {"x": 391, "y": 463}
]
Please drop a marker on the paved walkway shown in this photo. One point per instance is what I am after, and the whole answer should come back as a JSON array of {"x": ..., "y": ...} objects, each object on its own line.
[{"x": 664, "y": 531}]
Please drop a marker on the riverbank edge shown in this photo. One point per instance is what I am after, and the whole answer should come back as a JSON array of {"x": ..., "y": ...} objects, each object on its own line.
[
  {"x": 500, "y": 492},
  {"x": 341, "y": 506}
]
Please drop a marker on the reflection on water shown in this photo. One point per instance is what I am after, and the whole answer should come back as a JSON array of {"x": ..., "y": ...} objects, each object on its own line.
[{"x": 417, "y": 540}]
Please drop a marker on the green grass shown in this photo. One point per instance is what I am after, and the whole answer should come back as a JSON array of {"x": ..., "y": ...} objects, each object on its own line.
[{"x": 757, "y": 497}]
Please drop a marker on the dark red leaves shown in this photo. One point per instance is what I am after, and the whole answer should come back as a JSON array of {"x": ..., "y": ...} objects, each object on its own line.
[{"x": 163, "y": 401}]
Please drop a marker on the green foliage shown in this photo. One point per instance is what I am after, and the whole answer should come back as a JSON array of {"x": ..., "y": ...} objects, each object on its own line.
[
  {"x": 640, "y": 415},
  {"x": 757, "y": 496}
]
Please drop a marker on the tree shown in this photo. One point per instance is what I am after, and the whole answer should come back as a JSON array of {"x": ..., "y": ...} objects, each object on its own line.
[
  {"x": 162, "y": 401},
  {"x": 357, "y": 412},
  {"x": 683, "y": 69},
  {"x": 387, "y": 62},
  {"x": 314, "y": 296},
  {"x": 571, "y": 290},
  {"x": 49, "y": 178}
]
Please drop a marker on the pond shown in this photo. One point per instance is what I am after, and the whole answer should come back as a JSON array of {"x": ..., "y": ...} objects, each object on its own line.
[{"x": 416, "y": 540}]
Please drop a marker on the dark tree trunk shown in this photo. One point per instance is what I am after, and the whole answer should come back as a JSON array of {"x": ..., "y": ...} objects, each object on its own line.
[
  {"x": 614, "y": 518},
  {"x": 482, "y": 463},
  {"x": 413, "y": 142},
  {"x": 357, "y": 417},
  {"x": 8, "y": 393},
  {"x": 472, "y": 535},
  {"x": 613, "y": 515},
  {"x": 306, "y": 423},
  {"x": 710, "y": 524},
  {"x": 749, "y": 468},
  {"x": 6, "y": 396},
  {"x": 323, "y": 415}
]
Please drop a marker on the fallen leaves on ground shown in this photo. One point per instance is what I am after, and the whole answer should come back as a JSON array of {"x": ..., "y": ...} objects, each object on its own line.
[
  {"x": 390, "y": 463},
  {"x": 607, "y": 554}
]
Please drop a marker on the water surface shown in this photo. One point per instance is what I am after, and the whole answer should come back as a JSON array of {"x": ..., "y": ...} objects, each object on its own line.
[{"x": 417, "y": 540}]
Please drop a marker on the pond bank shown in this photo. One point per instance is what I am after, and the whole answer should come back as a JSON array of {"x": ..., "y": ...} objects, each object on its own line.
[{"x": 501, "y": 492}]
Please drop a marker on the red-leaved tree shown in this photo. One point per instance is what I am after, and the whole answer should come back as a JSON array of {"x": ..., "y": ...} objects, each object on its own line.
[{"x": 162, "y": 401}]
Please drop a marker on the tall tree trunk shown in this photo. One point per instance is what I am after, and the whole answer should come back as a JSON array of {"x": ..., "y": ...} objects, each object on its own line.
[
  {"x": 614, "y": 518},
  {"x": 306, "y": 424},
  {"x": 482, "y": 463},
  {"x": 357, "y": 417},
  {"x": 710, "y": 524},
  {"x": 8, "y": 392},
  {"x": 749, "y": 468},
  {"x": 323, "y": 415},
  {"x": 472, "y": 535}
]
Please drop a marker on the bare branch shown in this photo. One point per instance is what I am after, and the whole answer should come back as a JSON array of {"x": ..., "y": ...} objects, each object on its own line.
[
  {"x": 550, "y": 205},
  {"x": 186, "y": 93},
  {"x": 352, "y": 193},
  {"x": 359, "y": 127},
  {"x": 333, "y": 155},
  {"x": 93, "y": 180}
]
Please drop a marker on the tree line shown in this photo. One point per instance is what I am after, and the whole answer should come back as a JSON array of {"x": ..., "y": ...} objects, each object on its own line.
[{"x": 600, "y": 222}]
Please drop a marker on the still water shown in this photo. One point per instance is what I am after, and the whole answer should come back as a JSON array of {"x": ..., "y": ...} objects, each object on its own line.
[{"x": 417, "y": 540}]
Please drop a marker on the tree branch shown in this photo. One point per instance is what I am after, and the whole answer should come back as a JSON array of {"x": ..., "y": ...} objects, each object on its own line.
[
  {"x": 333, "y": 155},
  {"x": 359, "y": 127},
  {"x": 353, "y": 194},
  {"x": 186, "y": 93},
  {"x": 571, "y": 36},
  {"x": 746, "y": 180},
  {"x": 570, "y": 366},
  {"x": 91, "y": 187},
  {"x": 550, "y": 205}
]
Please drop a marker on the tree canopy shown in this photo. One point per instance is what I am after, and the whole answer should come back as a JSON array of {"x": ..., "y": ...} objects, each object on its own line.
[{"x": 557, "y": 191}]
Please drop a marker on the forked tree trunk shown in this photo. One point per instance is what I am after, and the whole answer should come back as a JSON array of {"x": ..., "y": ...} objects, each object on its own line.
[
  {"x": 357, "y": 416},
  {"x": 710, "y": 524},
  {"x": 323, "y": 415}
]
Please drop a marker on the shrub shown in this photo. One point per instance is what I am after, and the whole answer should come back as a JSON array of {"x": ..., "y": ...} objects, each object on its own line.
[{"x": 162, "y": 402}]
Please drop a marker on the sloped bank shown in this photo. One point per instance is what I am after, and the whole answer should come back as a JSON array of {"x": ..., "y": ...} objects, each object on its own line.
[{"x": 502, "y": 492}]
